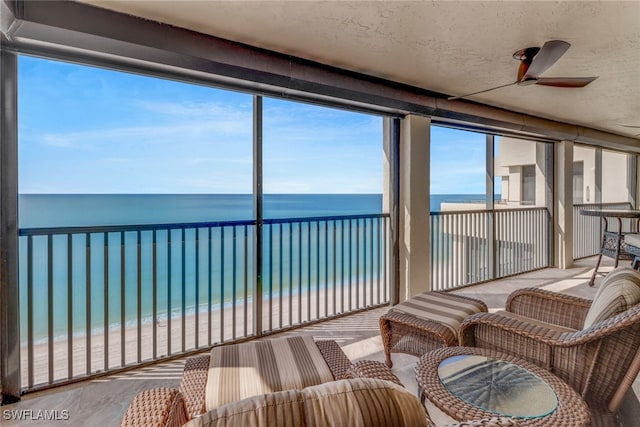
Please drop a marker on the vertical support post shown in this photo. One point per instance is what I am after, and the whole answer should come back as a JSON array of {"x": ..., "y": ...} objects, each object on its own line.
[
  {"x": 490, "y": 201},
  {"x": 632, "y": 179},
  {"x": 391, "y": 201},
  {"x": 257, "y": 212},
  {"x": 597, "y": 193},
  {"x": 414, "y": 251},
  {"x": 563, "y": 218},
  {"x": 545, "y": 160},
  {"x": 9, "y": 291}
]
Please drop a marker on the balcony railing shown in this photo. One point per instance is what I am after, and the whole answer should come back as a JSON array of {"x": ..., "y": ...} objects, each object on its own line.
[
  {"x": 587, "y": 230},
  {"x": 99, "y": 299},
  {"x": 470, "y": 247}
]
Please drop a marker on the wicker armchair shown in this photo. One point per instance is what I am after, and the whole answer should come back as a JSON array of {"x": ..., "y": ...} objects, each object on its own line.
[{"x": 599, "y": 360}]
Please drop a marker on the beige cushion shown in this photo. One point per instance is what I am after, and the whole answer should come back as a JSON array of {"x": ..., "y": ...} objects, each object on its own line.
[
  {"x": 445, "y": 308},
  {"x": 619, "y": 291},
  {"x": 283, "y": 408},
  {"x": 360, "y": 402},
  {"x": 249, "y": 369},
  {"x": 632, "y": 239}
]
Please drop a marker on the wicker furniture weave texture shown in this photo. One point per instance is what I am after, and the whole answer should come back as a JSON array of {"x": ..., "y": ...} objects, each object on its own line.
[
  {"x": 407, "y": 333},
  {"x": 600, "y": 361},
  {"x": 169, "y": 407},
  {"x": 571, "y": 411}
]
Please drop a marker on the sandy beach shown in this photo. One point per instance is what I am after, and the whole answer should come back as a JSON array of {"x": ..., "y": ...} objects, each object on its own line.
[{"x": 128, "y": 347}]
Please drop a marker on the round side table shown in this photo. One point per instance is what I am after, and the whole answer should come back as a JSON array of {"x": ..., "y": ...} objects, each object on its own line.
[{"x": 472, "y": 383}]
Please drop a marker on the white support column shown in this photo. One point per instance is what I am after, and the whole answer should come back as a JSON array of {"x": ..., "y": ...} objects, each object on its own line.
[
  {"x": 414, "y": 253},
  {"x": 563, "y": 206}
]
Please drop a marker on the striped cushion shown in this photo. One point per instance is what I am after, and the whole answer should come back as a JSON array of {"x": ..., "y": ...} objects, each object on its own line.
[
  {"x": 445, "y": 308},
  {"x": 356, "y": 402},
  {"x": 362, "y": 402},
  {"x": 249, "y": 369},
  {"x": 282, "y": 409},
  {"x": 619, "y": 291}
]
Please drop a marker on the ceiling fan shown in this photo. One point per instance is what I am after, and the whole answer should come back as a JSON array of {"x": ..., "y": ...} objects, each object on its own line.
[{"x": 533, "y": 62}]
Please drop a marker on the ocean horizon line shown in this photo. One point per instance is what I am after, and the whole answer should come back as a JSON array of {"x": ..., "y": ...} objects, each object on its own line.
[{"x": 229, "y": 194}]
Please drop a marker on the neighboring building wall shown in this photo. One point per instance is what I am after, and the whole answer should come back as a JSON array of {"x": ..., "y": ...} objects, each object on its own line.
[
  {"x": 613, "y": 168},
  {"x": 513, "y": 155},
  {"x": 615, "y": 185},
  {"x": 588, "y": 158}
]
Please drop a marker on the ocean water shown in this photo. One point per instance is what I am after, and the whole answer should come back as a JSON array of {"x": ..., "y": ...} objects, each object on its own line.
[
  {"x": 70, "y": 210},
  {"x": 97, "y": 269}
]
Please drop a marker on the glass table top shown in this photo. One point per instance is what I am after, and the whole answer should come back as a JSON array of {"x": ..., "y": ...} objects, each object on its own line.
[{"x": 497, "y": 386}]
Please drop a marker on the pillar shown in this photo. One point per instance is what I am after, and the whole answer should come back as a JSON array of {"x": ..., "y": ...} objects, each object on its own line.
[
  {"x": 414, "y": 237},
  {"x": 563, "y": 218}
]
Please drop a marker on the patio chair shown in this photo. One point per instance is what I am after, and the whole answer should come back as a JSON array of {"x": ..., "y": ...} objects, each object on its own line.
[{"x": 593, "y": 345}]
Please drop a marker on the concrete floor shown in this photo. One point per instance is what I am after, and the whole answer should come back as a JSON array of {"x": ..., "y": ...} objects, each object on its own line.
[{"x": 102, "y": 402}]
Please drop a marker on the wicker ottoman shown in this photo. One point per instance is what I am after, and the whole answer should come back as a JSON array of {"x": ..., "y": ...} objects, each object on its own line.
[{"x": 425, "y": 322}]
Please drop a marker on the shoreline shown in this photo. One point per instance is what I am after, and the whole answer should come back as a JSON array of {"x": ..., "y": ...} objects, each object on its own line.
[{"x": 277, "y": 315}]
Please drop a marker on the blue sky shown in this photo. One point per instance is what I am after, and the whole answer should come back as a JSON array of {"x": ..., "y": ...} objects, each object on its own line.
[{"x": 90, "y": 130}]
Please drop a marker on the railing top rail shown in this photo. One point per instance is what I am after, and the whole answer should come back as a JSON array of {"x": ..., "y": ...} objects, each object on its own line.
[
  {"x": 41, "y": 231},
  {"x": 525, "y": 209},
  {"x": 133, "y": 227},
  {"x": 582, "y": 205},
  {"x": 324, "y": 218}
]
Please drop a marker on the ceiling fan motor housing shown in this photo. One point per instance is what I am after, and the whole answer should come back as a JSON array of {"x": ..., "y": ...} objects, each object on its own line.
[{"x": 525, "y": 56}]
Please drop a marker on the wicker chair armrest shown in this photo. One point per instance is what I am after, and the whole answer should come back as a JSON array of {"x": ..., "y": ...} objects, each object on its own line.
[
  {"x": 627, "y": 319},
  {"x": 550, "y": 307},
  {"x": 193, "y": 384},
  {"x": 487, "y": 422},
  {"x": 372, "y": 369},
  {"x": 157, "y": 407},
  {"x": 504, "y": 327},
  {"x": 338, "y": 362}
]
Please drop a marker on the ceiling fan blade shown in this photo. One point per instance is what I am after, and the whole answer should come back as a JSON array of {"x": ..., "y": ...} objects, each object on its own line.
[
  {"x": 565, "y": 81},
  {"x": 550, "y": 52},
  {"x": 451, "y": 98}
]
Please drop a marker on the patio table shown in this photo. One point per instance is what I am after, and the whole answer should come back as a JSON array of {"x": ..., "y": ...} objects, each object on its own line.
[
  {"x": 474, "y": 383},
  {"x": 613, "y": 244}
]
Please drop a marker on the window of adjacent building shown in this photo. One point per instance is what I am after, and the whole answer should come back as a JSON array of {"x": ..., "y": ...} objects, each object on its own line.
[
  {"x": 579, "y": 193},
  {"x": 528, "y": 185}
]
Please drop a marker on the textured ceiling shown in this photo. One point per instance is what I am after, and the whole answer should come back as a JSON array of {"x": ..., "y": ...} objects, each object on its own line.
[{"x": 444, "y": 46}]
